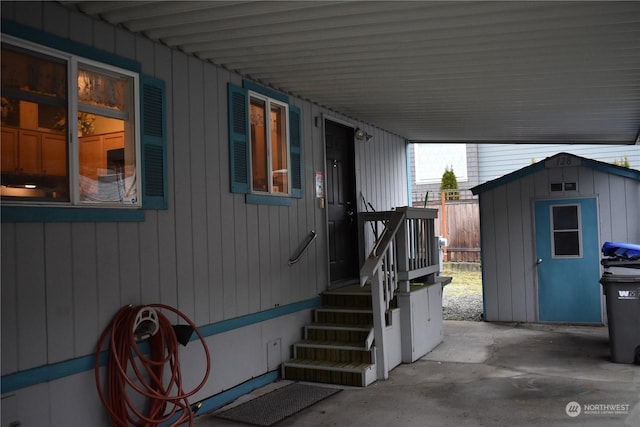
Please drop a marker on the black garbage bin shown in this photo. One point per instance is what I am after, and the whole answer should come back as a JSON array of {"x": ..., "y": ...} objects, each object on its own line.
[{"x": 621, "y": 287}]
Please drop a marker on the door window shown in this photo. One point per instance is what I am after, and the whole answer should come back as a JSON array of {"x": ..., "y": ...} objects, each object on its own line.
[{"x": 565, "y": 230}]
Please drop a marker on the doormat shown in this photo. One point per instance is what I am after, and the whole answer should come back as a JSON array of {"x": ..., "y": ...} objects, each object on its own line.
[{"x": 277, "y": 405}]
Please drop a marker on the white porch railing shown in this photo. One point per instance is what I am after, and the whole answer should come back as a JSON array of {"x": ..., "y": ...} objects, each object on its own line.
[{"x": 403, "y": 247}]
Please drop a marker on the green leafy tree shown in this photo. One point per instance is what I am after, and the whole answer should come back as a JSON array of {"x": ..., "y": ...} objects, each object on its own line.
[{"x": 449, "y": 182}]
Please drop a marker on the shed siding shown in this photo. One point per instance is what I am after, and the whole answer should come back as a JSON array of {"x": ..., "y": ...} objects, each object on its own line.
[
  {"x": 210, "y": 254},
  {"x": 489, "y": 256},
  {"x": 503, "y": 252},
  {"x": 516, "y": 252},
  {"x": 528, "y": 252},
  {"x": 508, "y": 232}
]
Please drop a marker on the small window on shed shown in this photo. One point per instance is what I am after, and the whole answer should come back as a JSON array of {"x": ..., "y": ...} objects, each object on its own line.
[{"x": 556, "y": 187}]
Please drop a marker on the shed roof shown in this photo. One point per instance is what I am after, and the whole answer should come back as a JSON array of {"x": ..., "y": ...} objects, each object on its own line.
[{"x": 535, "y": 167}]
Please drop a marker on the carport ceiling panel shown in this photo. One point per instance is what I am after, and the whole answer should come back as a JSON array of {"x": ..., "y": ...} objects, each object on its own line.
[{"x": 429, "y": 71}]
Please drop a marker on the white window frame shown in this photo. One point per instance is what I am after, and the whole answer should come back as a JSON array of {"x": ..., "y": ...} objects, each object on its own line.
[
  {"x": 73, "y": 62},
  {"x": 268, "y": 102},
  {"x": 579, "y": 230}
]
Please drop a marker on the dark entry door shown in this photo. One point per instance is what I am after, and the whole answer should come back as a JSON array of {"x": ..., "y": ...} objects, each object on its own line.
[{"x": 341, "y": 203}]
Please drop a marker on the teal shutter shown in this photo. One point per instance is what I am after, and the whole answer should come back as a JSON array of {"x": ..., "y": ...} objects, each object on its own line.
[
  {"x": 238, "y": 140},
  {"x": 153, "y": 143},
  {"x": 295, "y": 149}
]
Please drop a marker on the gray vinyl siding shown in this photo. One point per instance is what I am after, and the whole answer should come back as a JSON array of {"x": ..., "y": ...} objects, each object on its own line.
[
  {"x": 496, "y": 160},
  {"x": 381, "y": 171},
  {"x": 508, "y": 233},
  {"x": 210, "y": 254}
]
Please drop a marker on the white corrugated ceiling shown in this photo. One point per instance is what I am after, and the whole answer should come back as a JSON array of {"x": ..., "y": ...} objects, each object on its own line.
[{"x": 436, "y": 71}]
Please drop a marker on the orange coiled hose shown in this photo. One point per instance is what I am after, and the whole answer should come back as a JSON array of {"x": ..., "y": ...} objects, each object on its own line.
[{"x": 129, "y": 370}]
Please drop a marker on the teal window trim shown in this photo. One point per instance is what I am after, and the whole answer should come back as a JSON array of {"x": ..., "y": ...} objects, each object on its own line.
[
  {"x": 69, "y": 214},
  {"x": 56, "y": 42},
  {"x": 55, "y": 371},
  {"x": 295, "y": 152},
  {"x": 267, "y": 199},
  {"x": 239, "y": 170},
  {"x": 271, "y": 93},
  {"x": 153, "y": 143},
  {"x": 155, "y": 200}
]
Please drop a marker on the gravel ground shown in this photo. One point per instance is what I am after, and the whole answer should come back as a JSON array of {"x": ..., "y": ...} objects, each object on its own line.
[{"x": 461, "y": 307}]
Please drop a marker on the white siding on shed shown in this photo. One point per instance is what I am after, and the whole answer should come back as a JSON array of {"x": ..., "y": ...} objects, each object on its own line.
[{"x": 508, "y": 239}]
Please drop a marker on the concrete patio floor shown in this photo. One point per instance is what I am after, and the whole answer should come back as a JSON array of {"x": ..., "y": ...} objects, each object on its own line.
[{"x": 490, "y": 374}]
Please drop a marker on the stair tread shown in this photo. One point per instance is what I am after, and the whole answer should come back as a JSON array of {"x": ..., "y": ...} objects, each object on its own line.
[
  {"x": 347, "y": 345},
  {"x": 345, "y": 309},
  {"x": 339, "y": 326},
  {"x": 323, "y": 364},
  {"x": 337, "y": 347},
  {"x": 350, "y": 290}
]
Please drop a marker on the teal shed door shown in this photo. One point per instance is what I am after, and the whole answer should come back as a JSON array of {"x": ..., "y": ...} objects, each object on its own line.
[{"x": 568, "y": 261}]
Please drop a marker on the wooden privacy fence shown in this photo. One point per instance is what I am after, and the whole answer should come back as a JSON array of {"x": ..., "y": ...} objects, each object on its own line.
[{"x": 461, "y": 220}]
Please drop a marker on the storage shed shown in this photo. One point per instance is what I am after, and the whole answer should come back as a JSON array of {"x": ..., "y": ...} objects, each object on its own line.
[{"x": 542, "y": 228}]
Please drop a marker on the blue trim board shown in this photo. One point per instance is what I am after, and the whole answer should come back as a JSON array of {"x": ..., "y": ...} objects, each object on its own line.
[
  {"x": 590, "y": 163},
  {"x": 219, "y": 400},
  {"x": 250, "y": 319},
  {"x": 264, "y": 199},
  {"x": 69, "y": 214},
  {"x": 70, "y": 46},
  {"x": 505, "y": 179},
  {"x": 271, "y": 93},
  {"x": 612, "y": 169},
  {"x": 51, "y": 372},
  {"x": 54, "y": 371}
]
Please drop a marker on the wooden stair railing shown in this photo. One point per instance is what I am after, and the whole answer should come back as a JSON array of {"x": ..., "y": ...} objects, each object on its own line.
[
  {"x": 346, "y": 343},
  {"x": 380, "y": 269},
  {"x": 406, "y": 250}
]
